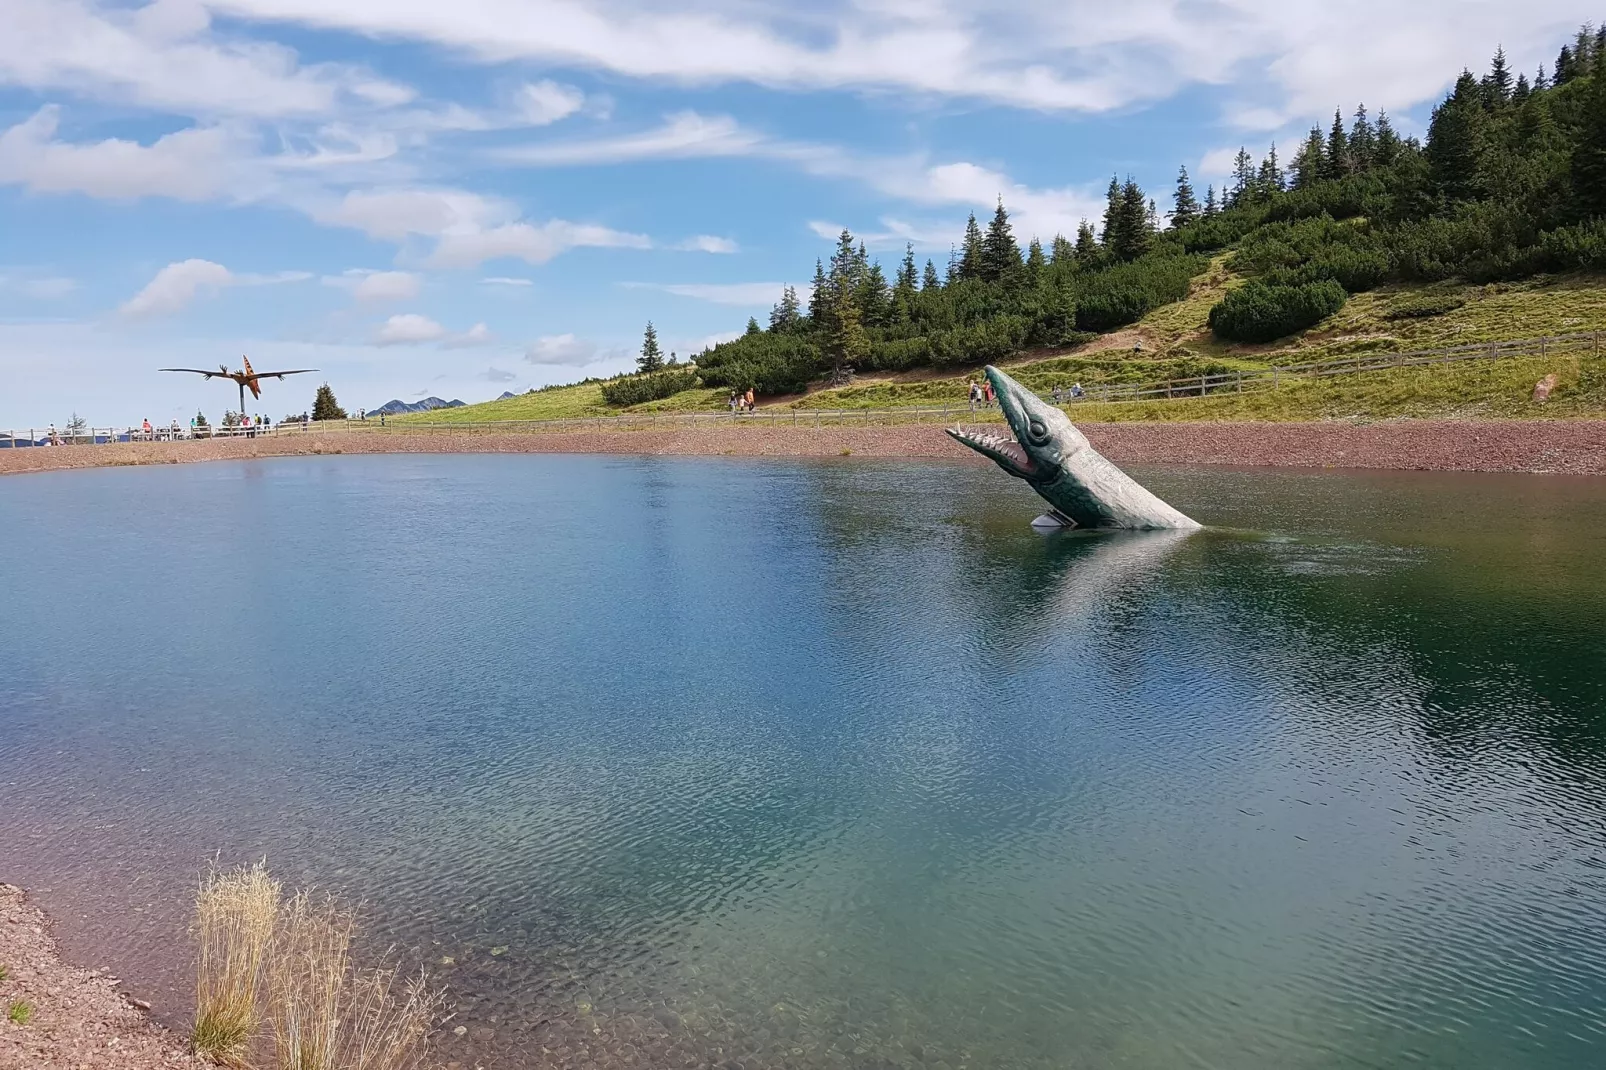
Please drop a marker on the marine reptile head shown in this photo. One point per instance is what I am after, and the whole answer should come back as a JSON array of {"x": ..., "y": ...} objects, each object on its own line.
[{"x": 1044, "y": 436}]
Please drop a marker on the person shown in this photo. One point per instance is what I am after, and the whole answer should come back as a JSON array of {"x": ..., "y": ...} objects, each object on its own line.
[
  {"x": 987, "y": 393},
  {"x": 1076, "y": 390},
  {"x": 732, "y": 403},
  {"x": 362, "y": 416},
  {"x": 381, "y": 419},
  {"x": 1059, "y": 395},
  {"x": 972, "y": 392},
  {"x": 145, "y": 428},
  {"x": 52, "y": 439},
  {"x": 751, "y": 401}
]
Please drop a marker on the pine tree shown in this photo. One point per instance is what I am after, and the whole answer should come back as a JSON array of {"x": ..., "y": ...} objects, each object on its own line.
[
  {"x": 930, "y": 281},
  {"x": 846, "y": 343},
  {"x": 1000, "y": 254},
  {"x": 1521, "y": 91},
  {"x": 1132, "y": 234},
  {"x": 1337, "y": 164},
  {"x": 908, "y": 284},
  {"x": 1087, "y": 246},
  {"x": 200, "y": 420},
  {"x": 752, "y": 325},
  {"x": 324, "y": 405},
  {"x": 1185, "y": 206},
  {"x": 1564, "y": 66},
  {"x": 1210, "y": 205},
  {"x": 846, "y": 262},
  {"x": 1269, "y": 179},
  {"x": 1455, "y": 141},
  {"x": 652, "y": 358},
  {"x": 1310, "y": 163},
  {"x": 1243, "y": 177},
  {"x": 873, "y": 295},
  {"x": 818, "y": 297},
  {"x": 1035, "y": 260},
  {"x": 1589, "y": 154},
  {"x": 1386, "y": 145},
  {"x": 1541, "y": 83},
  {"x": 1363, "y": 141},
  {"x": 1497, "y": 84},
  {"x": 1062, "y": 251},
  {"x": 787, "y": 314},
  {"x": 972, "y": 255},
  {"x": 1110, "y": 234}
]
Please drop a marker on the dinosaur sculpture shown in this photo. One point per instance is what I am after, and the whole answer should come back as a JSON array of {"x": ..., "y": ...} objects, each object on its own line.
[{"x": 1051, "y": 455}]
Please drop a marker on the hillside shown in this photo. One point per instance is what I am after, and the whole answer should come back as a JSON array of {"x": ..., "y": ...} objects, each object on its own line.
[{"x": 1493, "y": 227}]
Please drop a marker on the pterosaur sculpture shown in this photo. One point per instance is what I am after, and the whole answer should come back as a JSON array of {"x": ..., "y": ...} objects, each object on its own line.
[
  {"x": 1056, "y": 460},
  {"x": 245, "y": 377}
]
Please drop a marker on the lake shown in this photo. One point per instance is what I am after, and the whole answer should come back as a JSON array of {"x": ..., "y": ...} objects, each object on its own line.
[{"x": 702, "y": 762}]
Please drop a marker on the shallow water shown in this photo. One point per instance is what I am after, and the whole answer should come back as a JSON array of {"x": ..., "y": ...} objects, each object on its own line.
[{"x": 673, "y": 762}]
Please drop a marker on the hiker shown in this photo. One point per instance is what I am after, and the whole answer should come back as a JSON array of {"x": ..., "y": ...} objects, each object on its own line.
[
  {"x": 145, "y": 427},
  {"x": 1059, "y": 395},
  {"x": 1076, "y": 390},
  {"x": 732, "y": 403},
  {"x": 975, "y": 394},
  {"x": 987, "y": 393},
  {"x": 750, "y": 399}
]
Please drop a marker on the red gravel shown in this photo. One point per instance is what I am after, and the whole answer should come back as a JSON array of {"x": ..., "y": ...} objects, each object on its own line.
[{"x": 1577, "y": 446}]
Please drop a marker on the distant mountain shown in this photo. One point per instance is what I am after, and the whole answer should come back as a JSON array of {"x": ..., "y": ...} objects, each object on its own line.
[
  {"x": 507, "y": 394},
  {"x": 397, "y": 407}
]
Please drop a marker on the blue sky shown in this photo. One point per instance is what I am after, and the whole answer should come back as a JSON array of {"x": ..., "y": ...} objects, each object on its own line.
[{"x": 419, "y": 197}]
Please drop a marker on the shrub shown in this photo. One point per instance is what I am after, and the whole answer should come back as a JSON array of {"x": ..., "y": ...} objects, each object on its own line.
[
  {"x": 636, "y": 389},
  {"x": 1257, "y": 312},
  {"x": 1424, "y": 307}
]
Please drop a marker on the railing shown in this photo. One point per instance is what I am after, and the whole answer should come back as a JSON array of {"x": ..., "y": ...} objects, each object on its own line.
[{"x": 1191, "y": 387}]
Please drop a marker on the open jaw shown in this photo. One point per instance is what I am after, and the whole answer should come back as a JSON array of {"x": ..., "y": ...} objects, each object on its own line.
[{"x": 1005, "y": 452}]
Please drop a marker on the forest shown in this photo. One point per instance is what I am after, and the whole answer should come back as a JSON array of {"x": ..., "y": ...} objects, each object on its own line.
[{"x": 1509, "y": 183}]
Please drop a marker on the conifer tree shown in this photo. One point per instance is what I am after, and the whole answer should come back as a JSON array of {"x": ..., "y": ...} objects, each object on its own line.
[
  {"x": 1269, "y": 179},
  {"x": 846, "y": 343},
  {"x": 1386, "y": 143},
  {"x": 971, "y": 256},
  {"x": 1362, "y": 141},
  {"x": 1521, "y": 90},
  {"x": 324, "y": 405},
  {"x": 1109, "y": 235},
  {"x": 1087, "y": 246},
  {"x": 818, "y": 297},
  {"x": 652, "y": 358},
  {"x": 1000, "y": 254},
  {"x": 1589, "y": 154},
  {"x": 1497, "y": 84},
  {"x": 787, "y": 313},
  {"x": 1541, "y": 83},
  {"x": 1035, "y": 260},
  {"x": 1132, "y": 235},
  {"x": 1310, "y": 163},
  {"x": 873, "y": 295},
  {"x": 908, "y": 276},
  {"x": 1455, "y": 137},
  {"x": 1243, "y": 177},
  {"x": 1062, "y": 251},
  {"x": 1564, "y": 66},
  {"x": 752, "y": 325},
  {"x": 930, "y": 281},
  {"x": 1185, "y": 206},
  {"x": 1338, "y": 159},
  {"x": 1210, "y": 205}
]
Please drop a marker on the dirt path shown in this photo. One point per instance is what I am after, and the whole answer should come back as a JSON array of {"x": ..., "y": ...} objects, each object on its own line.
[
  {"x": 1577, "y": 446},
  {"x": 77, "y": 1019}
]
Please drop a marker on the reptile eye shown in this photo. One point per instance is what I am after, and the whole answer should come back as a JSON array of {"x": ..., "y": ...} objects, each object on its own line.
[{"x": 1036, "y": 430}]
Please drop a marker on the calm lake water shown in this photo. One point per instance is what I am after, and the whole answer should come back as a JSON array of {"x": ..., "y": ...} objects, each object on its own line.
[{"x": 674, "y": 762}]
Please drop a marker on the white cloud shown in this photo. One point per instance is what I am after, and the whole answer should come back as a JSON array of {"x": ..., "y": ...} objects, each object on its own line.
[
  {"x": 497, "y": 375},
  {"x": 176, "y": 285},
  {"x": 49, "y": 288},
  {"x": 723, "y": 293},
  {"x": 477, "y": 335},
  {"x": 504, "y": 280},
  {"x": 367, "y": 285},
  {"x": 563, "y": 349},
  {"x": 532, "y": 243},
  {"x": 409, "y": 328},
  {"x": 192, "y": 165},
  {"x": 708, "y": 243},
  {"x": 392, "y": 215},
  {"x": 684, "y": 135},
  {"x": 545, "y": 102}
]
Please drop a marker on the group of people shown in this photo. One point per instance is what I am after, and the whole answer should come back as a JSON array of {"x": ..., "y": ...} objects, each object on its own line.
[
  {"x": 740, "y": 401},
  {"x": 1076, "y": 393},
  {"x": 981, "y": 394}
]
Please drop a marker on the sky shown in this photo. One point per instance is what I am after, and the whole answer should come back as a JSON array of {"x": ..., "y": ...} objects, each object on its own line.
[{"x": 455, "y": 199}]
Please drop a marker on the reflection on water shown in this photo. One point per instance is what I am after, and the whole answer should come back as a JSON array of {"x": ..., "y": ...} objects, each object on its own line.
[{"x": 682, "y": 763}]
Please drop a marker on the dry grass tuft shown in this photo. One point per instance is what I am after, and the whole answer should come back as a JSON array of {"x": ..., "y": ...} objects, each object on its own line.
[
  {"x": 235, "y": 913},
  {"x": 286, "y": 965}
]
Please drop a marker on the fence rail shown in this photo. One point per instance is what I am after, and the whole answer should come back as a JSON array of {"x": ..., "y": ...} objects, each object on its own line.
[{"x": 1191, "y": 387}]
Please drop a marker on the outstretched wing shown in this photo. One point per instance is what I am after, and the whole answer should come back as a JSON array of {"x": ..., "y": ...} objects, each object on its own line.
[
  {"x": 279, "y": 375},
  {"x": 197, "y": 371}
]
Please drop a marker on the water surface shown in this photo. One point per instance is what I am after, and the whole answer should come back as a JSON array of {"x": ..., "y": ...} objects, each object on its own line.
[{"x": 675, "y": 762}]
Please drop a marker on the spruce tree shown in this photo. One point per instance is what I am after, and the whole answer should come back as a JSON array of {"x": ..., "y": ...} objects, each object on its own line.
[
  {"x": 908, "y": 275},
  {"x": 930, "y": 280},
  {"x": 1185, "y": 206},
  {"x": 752, "y": 325},
  {"x": 1520, "y": 91},
  {"x": 818, "y": 297},
  {"x": 1062, "y": 251},
  {"x": 1386, "y": 145},
  {"x": 1210, "y": 206},
  {"x": 1337, "y": 164},
  {"x": 1243, "y": 177},
  {"x": 873, "y": 295},
  {"x": 787, "y": 313},
  {"x": 1541, "y": 83},
  {"x": 1497, "y": 84},
  {"x": 1310, "y": 162},
  {"x": 324, "y": 405},
  {"x": 1455, "y": 141},
  {"x": 846, "y": 343},
  {"x": 1111, "y": 234},
  {"x": 1035, "y": 260},
  {"x": 1000, "y": 254},
  {"x": 972, "y": 255},
  {"x": 1087, "y": 246},
  {"x": 1133, "y": 234},
  {"x": 1363, "y": 141},
  {"x": 1589, "y": 153},
  {"x": 652, "y": 358},
  {"x": 1564, "y": 66},
  {"x": 1269, "y": 179}
]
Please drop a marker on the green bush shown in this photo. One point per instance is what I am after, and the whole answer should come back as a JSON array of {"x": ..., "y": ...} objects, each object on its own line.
[
  {"x": 1424, "y": 307},
  {"x": 1258, "y": 312},
  {"x": 636, "y": 389}
]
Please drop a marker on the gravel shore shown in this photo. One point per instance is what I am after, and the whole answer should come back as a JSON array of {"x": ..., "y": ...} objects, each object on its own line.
[
  {"x": 78, "y": 1018},
  {"x": 1574, "y": 446}
]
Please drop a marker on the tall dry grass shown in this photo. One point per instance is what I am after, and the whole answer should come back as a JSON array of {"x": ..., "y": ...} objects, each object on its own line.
[
  {"x": 317, "y": 1008},
  {"x": 235, "y": 915}
]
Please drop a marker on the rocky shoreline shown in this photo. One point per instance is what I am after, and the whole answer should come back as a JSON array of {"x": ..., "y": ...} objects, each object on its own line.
[
  {"x": 1567, "y": 446},
  {"x": 76, "y": 1019}
]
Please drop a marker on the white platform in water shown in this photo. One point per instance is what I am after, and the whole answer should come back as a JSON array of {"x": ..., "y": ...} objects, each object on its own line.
[{"x": 1050, "y": 522}]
